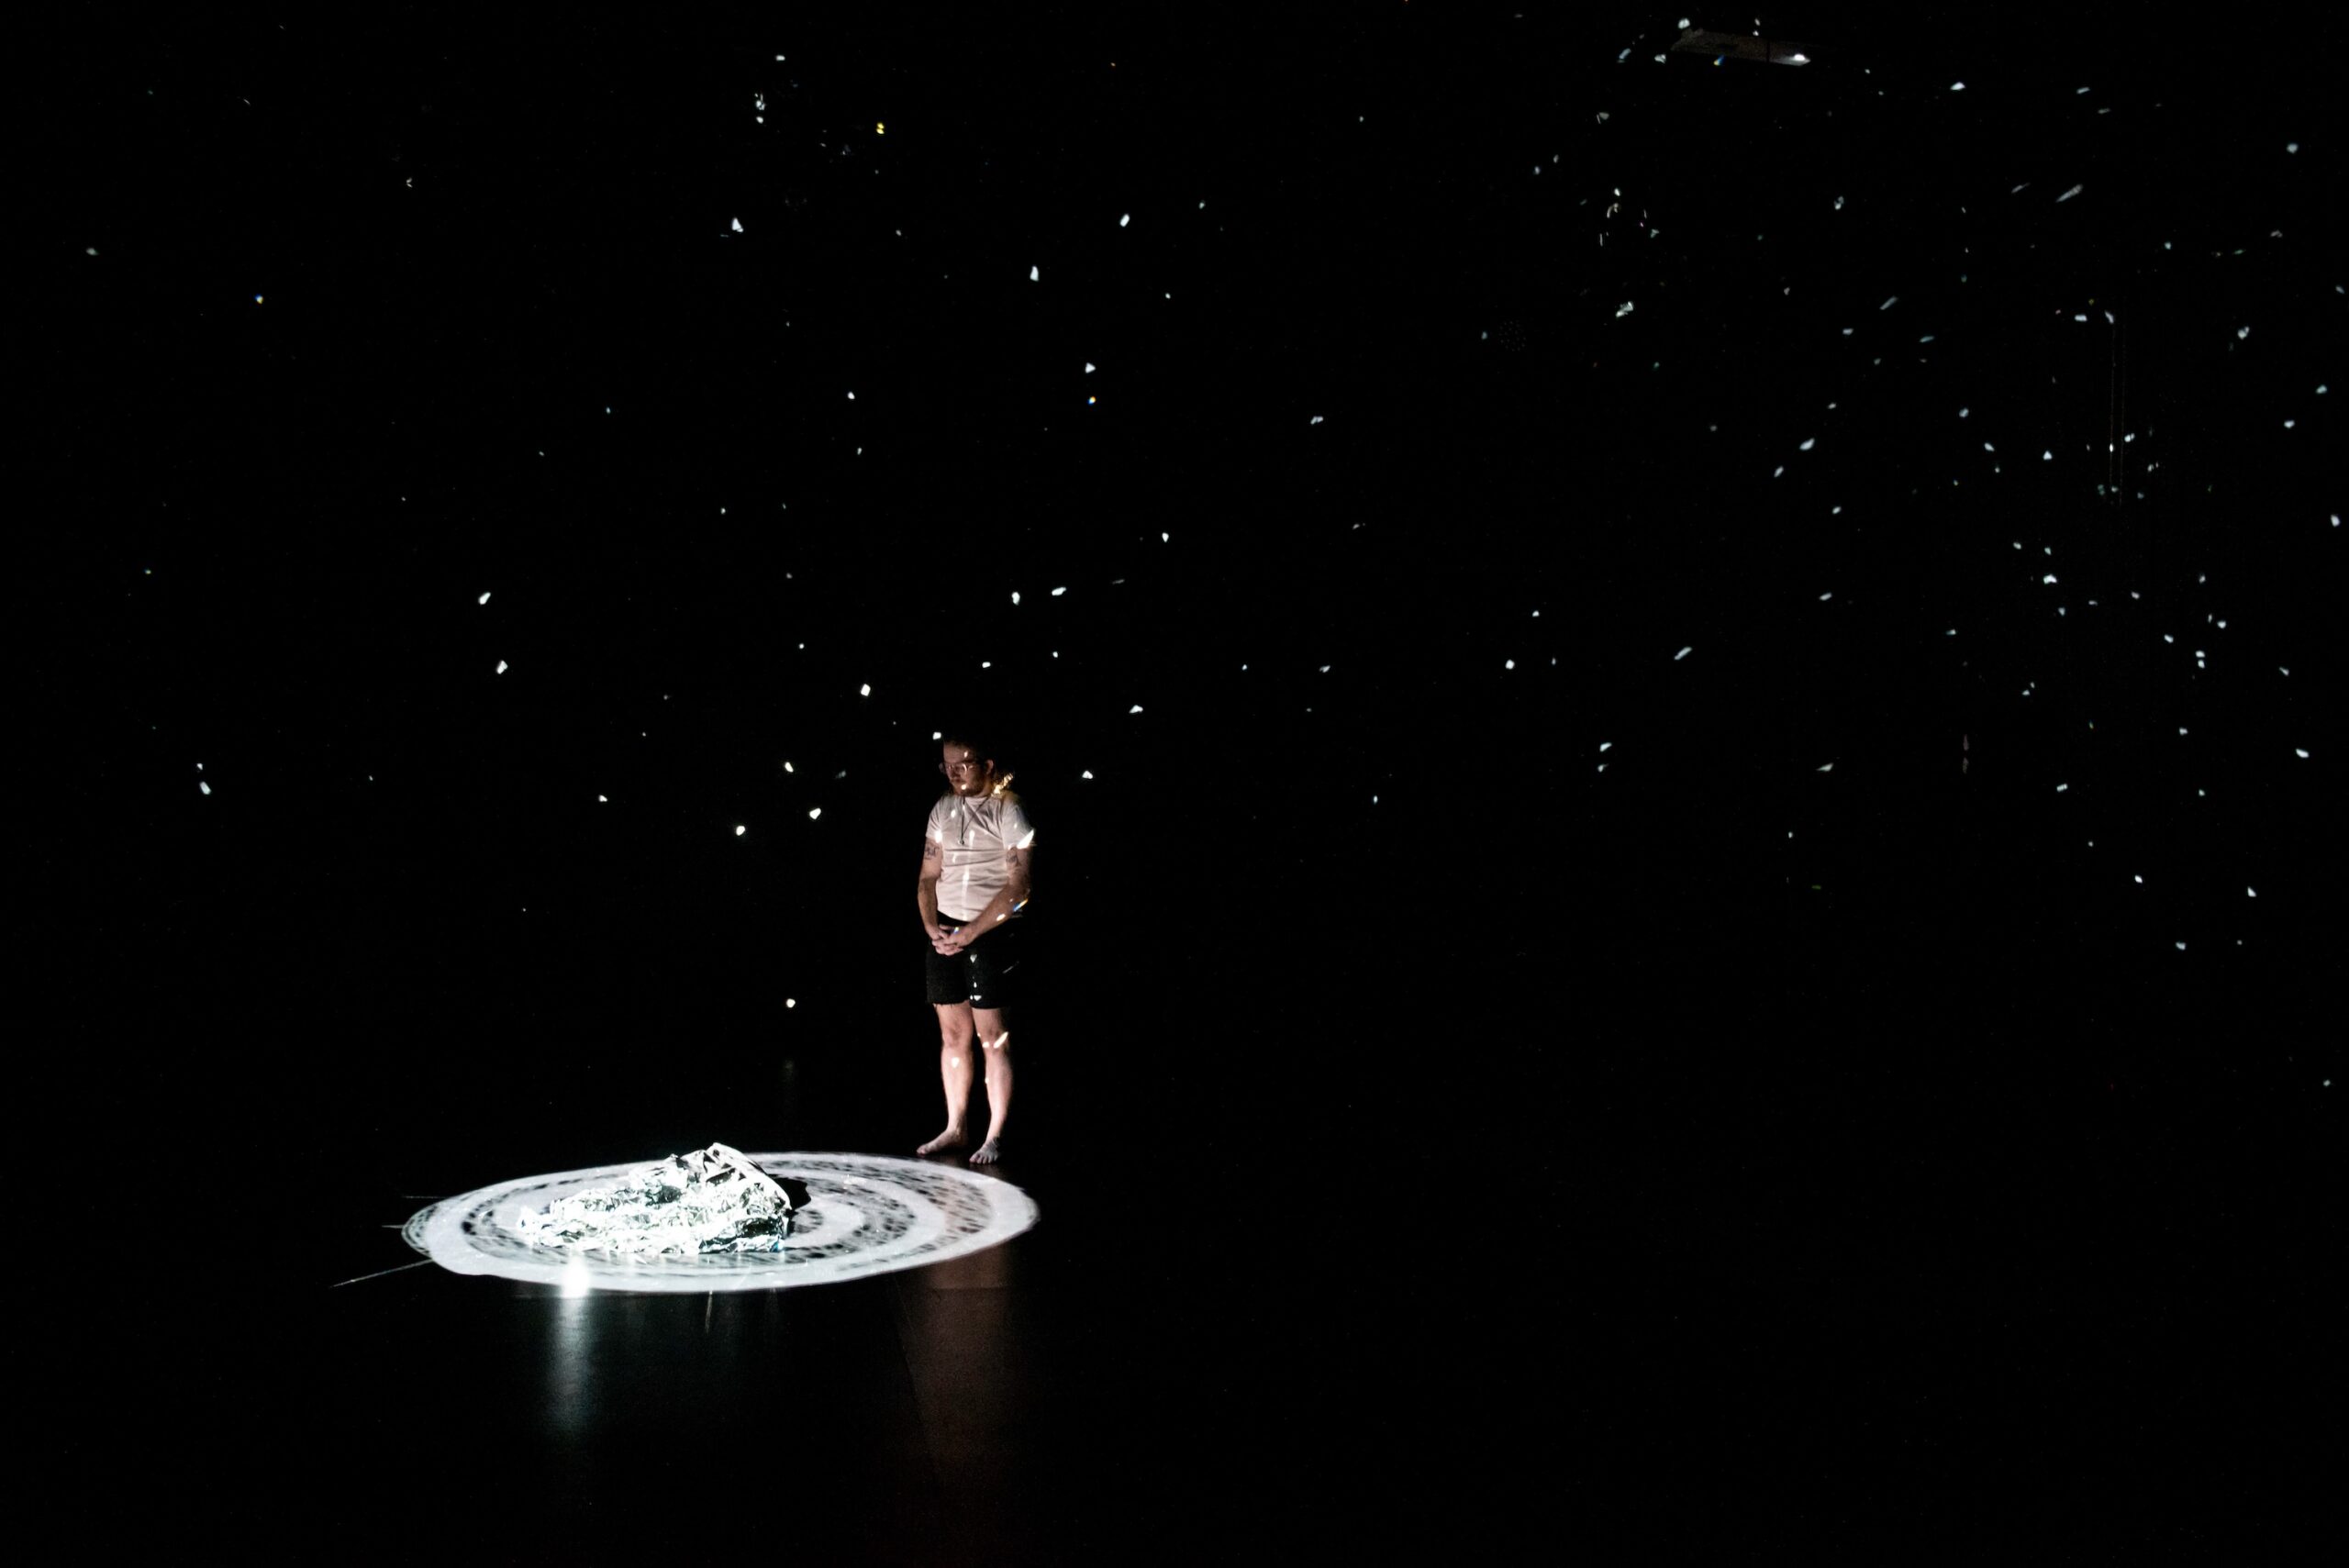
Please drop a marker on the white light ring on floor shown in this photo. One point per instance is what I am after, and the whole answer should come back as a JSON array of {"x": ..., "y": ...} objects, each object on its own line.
[{"x": 866, "y": 1214}]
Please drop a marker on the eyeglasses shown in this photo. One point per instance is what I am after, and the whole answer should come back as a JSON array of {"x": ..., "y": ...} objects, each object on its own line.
[{"x": 956, "y": 767}]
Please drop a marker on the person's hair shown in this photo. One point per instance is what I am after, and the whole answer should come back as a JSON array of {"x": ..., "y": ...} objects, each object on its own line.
[{"x": 974, "y": 740}]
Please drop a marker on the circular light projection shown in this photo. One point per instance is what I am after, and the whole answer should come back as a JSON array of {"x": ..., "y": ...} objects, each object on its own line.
[{"x": 866, "y": 1214}]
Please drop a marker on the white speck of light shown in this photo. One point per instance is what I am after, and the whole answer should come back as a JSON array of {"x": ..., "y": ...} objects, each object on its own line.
[
  {"x": 1682, "y": 654},
  {"x": 501, "y": 666},
  {"x": 864, "y": 690},
  {"x": 1125, "y": 220},
  {"x": 1136, "y": 708},
  {"x": 1957, "y": 86},
  {"x": 484, "y": 598},
  {"x": 2067, "y": 195},
  {"x": 1035, "y": 274},
  {"x": 1888, "y": 303},
  {"x": 738, "y": 226},
  {"x": 1810, "y": 443},
  {"x": 1317, "y": 419}
]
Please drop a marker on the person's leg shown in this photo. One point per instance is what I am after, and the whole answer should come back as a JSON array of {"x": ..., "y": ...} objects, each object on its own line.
[
  {"x": 954, "y": 1029},
  {"x": 994, "y": 1038}
]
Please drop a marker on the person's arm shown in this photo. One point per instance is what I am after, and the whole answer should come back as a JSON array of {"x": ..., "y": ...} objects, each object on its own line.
[
  {"x": 933, "y": 861},
  {"x": 1007, "y": 903}
]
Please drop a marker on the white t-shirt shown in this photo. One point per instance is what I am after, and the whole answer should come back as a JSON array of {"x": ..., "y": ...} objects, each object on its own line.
[{"x": 978, "y": 835}]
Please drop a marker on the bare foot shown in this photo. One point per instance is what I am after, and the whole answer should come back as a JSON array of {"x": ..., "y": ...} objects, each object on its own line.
[
  {"x": 987, "y": 1153},
  {"x": 951, "y": 1138}
]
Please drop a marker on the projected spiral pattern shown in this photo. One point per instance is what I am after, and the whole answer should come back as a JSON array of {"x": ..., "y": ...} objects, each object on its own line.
[{"x": 866, "y": 1214}]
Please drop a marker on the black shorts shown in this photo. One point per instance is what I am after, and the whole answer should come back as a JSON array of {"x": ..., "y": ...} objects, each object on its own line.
[{"x": 981, "y": 973}]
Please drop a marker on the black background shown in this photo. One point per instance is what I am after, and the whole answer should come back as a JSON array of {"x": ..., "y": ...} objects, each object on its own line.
[{"x": 1443, "y": 1126}]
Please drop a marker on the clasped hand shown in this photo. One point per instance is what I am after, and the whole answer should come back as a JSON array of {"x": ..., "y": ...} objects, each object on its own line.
[{"x": 950, "y": 942}]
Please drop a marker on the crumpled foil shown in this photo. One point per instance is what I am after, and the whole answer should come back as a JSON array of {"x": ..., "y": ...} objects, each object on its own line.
[{"x": 712, "y": 1200}]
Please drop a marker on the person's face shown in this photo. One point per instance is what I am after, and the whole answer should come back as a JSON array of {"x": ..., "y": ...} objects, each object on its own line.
[{"x": 967, "y": 773}]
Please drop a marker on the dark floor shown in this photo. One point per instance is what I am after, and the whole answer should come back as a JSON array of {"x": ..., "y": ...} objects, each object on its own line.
[{"x": 1640, "y": 1234}]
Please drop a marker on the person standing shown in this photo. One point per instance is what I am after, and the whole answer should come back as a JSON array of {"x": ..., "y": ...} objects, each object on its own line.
[{"x": 976, "y": 856}]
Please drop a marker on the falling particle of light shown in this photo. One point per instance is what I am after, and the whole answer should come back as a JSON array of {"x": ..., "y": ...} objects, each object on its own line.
[
  {"x": 205, "y": 787},
  {"x": 880, "y": 129},
  {"x": 2303, "y": 756},
  {"x": 501, "y": 666},
  {"x": 1136, "y": 708},
  {"x": 1888, "y": 303},
  {"x": 256, "y": 299},
  {"x": 864, "y": 690},
  {"x": 851, "y": 397},
  {"x": 1125, "y": 220},
  {"x": 1957, "y": 86},
  {"x": 1682, "y": 654},
  {"x": 484, "y": 598},
  {"x": 2047, "y": 457},
  {"x": 1317, "y": 419},
  {"x": 2067, "y": 195},
  {"x": 1963, "y": 412},
  {"x": 1810, "y": 443},
  {"x": 739, "y": 830},
  {"x": 813, "y": 815},
  {"x": 1607, "y": 745},
  {"x": 1088, "y": 367},
  {"x": 1824, "y": 597},
  {"x": 1036, "y": 274},
  {"x": 1508, "y": 663},
  {"x": 1828, "y": 768},
  {"x": 2062, "y": 787},
  {"x": 1058, "y": 591},
  {"x": 2251, "y": 893}
]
